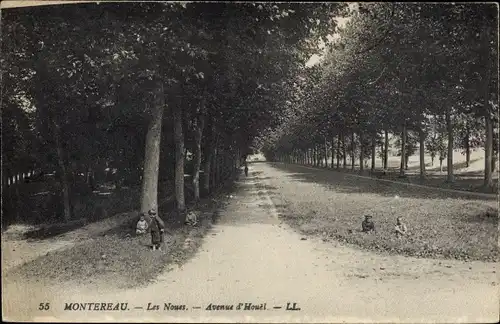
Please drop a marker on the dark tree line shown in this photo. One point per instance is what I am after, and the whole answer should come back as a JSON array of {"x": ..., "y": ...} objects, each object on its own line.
[
  {"x": 152, "y": 90},
  {"x": 427, "y": 73}
]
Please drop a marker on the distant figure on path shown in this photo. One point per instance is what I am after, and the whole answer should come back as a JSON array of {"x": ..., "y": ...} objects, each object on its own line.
[
  {"x": 246, "y": 170},
  {"x": 157, "y": 227},
  {"x": 142, "y": 225},
  {"x": 400, "y": 227},
  {"x": 368, "y": 225}
]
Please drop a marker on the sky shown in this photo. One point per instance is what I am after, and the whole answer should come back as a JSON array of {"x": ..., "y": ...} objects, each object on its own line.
[{"x": 341, "y": 22}]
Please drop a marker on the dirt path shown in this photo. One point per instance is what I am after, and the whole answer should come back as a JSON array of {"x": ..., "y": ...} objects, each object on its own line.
[{"x": 251, "y": 257}]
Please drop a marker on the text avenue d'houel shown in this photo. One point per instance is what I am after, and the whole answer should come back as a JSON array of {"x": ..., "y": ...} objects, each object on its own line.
[{"x": 101, "y": 306}]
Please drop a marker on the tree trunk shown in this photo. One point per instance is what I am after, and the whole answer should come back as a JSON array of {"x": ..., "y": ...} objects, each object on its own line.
[
  {"x": 237, "y": 159},
  {"x": 64, "y": 172},
  {"x": 374, "y": 150},
  {"x": 215, "y": 167},
  {"x": 149, "y": 197},
  {"x": 209, "y": 154},
  {"x": 386, "y": 148},
  {"x": 344, "y": 152},
  {"x": 338, "y": 151},
  {"x": 449, "y": 128},
  {"x": 488, "y": 151},
  {"x": 316, "y": 153},
  {"x": 18, "y": 217},
  {"x": 206, "y": 172},
  {"x": 353, "y": 150},
  {"x": 326, "y": 153},
  {"x": 403, "y": 151},
  {"x": 197, "y": 156},
  {"x": 11, "y": 199},
  {"x": 90, "y": 178},
  {"x": 179, "y": 157},
  {"x": 319, "y": 157},
  {"x": 488, "y": 144},
  {"x": 332, "y": 162},
  {"x": 422, "y": 154},
  {"x": 493, "y": 162},
  {"x": 219, "y": 160},
  {"x": 467, "y": 147},
  {"x": 361, "y": 152}
]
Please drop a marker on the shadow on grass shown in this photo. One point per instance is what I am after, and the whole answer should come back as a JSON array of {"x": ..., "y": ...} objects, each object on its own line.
[
  {"x": 345, "y": 183},
  {"x": 54, "y": 230},
  {"x": 95, "y": 209},
  {"x": 261, "y": 178},
  {"x": 435, "y": 167},
  {"x": 265, "y": 186},
  {"x": 107, "y": 260},
  {"x": 100, "y": 209},
  {"x": 417, "y": 167}
]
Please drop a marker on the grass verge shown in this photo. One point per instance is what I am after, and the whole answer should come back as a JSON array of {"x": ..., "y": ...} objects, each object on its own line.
[
  {"x": 465, "y": 182},
  {"x": 120, "y": 259},
  {"x": 332, "y": 205}
]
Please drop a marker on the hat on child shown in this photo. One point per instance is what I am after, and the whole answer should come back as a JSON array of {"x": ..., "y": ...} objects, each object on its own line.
[{"x": 152, "y": 211}]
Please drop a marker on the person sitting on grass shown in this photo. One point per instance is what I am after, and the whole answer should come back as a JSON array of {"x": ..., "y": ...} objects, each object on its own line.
[
  {"x": 157, "y": 227},
  {"x": 400, "y": 227},
  {"x": 142, "y": 225},
  {"x": 368, "y": 225}
]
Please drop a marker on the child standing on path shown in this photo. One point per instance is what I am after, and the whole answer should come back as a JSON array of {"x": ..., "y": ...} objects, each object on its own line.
[
  {"x": 246, "y": 170},
  {"x": 157, "y": 227}
]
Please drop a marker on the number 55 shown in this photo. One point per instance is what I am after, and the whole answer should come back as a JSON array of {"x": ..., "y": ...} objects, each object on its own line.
[{"x": 44, "y": 306}]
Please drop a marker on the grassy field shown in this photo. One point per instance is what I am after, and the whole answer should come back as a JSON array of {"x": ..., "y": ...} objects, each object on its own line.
[
  {"x": 333, "y": 205},
  {"x": 465, "y": 178}
]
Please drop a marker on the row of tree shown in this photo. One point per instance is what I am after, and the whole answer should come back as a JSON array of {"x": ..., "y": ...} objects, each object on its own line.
[
  {"x": 137, "y": 86},
  {"x": 428, "y": 70}
]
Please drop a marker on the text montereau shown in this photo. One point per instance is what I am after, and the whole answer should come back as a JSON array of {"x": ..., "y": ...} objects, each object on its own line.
[{"x": 96, "y": 306}]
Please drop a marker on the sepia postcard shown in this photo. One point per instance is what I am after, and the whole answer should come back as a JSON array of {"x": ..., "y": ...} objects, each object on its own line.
[{"x": 233, "y": 162}]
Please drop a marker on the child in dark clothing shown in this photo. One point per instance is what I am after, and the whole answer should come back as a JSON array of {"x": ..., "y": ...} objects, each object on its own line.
[
  {"x": 157, "y": 228},
  {"x": 400, "y": 228},
  {"x": 246, "y": 170},
  {"x": 368, "y": 225}
]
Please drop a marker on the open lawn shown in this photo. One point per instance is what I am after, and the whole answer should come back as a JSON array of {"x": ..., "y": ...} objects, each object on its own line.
[
  {"x": 333, "y": 205},
  {"x": 465, "y": 178}
]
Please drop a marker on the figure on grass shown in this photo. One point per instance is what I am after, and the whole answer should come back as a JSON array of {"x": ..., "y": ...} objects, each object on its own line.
[
  {"x": 142, "y": 225},
  {"x": 157, "y": 227},
  {"x": 368, "y": 225},
  {"x": 246, "y": 170},
  {"x": 400, "y": 228}
]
